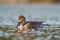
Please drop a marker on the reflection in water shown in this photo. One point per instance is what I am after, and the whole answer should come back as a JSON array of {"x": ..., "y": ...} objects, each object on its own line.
[{"x": 33, "y": 35}]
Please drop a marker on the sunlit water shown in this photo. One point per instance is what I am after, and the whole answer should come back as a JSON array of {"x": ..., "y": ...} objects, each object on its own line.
[{"x": 9, "y": 13}]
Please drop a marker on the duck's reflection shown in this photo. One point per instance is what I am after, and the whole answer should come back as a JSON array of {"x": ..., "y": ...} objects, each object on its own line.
[{"x": 27, "y": 36}]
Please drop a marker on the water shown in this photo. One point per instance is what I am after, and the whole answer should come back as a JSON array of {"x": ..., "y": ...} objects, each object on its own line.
[
  {"x": 11, "y": 34},
  {"x": 48, "y": 13}
]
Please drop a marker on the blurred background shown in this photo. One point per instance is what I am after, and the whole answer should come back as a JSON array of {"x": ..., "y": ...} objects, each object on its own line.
[
  {"x": 47, "y": 11},
  {"x": 40, "y": 10},
  {"x": 29, "y": 1}
]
